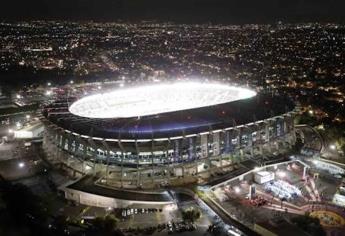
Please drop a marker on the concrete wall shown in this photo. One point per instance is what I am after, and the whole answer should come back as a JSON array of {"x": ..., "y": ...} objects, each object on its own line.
[{"x": 90, "y": 199}]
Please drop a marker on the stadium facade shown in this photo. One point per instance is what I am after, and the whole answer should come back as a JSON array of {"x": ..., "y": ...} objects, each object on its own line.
[{"x": 171, "y": 145}]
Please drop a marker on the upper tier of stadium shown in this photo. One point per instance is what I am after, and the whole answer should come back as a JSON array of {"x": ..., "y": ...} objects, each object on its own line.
[
  {"x": 169, "y": 124},
  {"x": 157, "y": 99}
]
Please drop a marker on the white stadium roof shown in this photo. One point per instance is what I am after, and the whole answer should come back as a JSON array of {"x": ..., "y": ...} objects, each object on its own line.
[{"x": 156, "y": 99}]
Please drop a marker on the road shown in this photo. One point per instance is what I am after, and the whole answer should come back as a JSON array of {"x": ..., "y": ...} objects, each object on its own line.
[{"x": 227, "y": 219}]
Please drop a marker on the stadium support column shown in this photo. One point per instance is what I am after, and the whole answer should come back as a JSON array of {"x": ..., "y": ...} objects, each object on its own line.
[
  {"x": 286, "y": 131},
  {"x": 275, "y": 124},
  {"x": 239, "y": 142},
  {"x": 177, "y": 156},
  {"x": 292, "y": 125},
  {"x": 233, "y": 135},
  {"x": 121, "y": 178},
  {"x": 70, "y": 139},
  {"x": 226, "y": 144},
  {"x": 227, "y": 141},
  {"x": 152, "y": 161},
  {"x": 204, "y": 146},
  {"x": 204, "y": 149},
  {"x": 122, "y": 156},
  {"x": 69, "y": 143},
  {"x": 77, "y": 146},
  {"x": 250, "y": 140},
  {"x": 63, "y": 145},
  {"x": 56, "y": 137},
  {"x": 56, "y": 145},
  {"x": 106, "y": 146},
  {"x": 138, "y": 162},
  {"x": 191, "y": 148},
  {"x": 46, "y": 141},
  {"x": 260, "y": 138},
  {"x": 267, "y": 134},
  {"x": 176, "y": 150},
  {"x": 168, "y": 160},
  {"x": 84, "y": 152},
  {"x": 192, "y": 153},
  {"x": 216, "y": 148},
  {"x": 94, "y": 147}
]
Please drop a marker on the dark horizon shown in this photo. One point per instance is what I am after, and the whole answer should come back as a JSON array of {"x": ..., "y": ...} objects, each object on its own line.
[{"x": 179, "y": 11}]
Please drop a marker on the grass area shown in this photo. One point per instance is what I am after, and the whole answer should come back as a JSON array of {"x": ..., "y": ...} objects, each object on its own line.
[{"x": 13, "y": 110}]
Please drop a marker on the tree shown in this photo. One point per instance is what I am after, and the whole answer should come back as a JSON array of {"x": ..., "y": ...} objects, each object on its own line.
[
  {"x": 104, "y": 226},
  {"x": 342, "y": 148},
  {"x": 21, "y": 210},
  {"x": 61, "y": 224},
  {"x": 306, "y": 118},
  {"x": 309, "y": 224},
  {"x": 191, "y": 214}
]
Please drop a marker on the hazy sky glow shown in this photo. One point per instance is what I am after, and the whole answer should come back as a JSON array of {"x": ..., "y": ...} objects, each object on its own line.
[{"x": 222, "y": 11}]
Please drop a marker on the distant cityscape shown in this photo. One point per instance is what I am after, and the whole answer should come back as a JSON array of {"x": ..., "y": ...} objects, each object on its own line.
[{"x": 302, "y": 60}]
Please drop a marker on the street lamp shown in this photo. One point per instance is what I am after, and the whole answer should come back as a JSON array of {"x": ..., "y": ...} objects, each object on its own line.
[
  {"x": 256, "y": 168},
  {"x": 87, "y": 167},
  {"x": 237, "y": 189},
  {"x": 332, "y": 147},
  {"x": 21, "y": 165}
]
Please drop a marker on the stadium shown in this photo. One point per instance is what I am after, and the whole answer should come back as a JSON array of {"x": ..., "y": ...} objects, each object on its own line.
[{"x": 165, "y": 134}]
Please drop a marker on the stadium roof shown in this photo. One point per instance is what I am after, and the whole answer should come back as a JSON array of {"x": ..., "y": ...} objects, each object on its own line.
[{"x": 156, "y": 99}]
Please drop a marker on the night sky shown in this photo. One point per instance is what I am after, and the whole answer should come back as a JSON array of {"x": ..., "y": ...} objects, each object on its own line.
[{"x": 189, "y": 11}]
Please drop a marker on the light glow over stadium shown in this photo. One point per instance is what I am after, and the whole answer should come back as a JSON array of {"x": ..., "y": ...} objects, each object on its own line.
[{"x": 156, "y": 99}]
